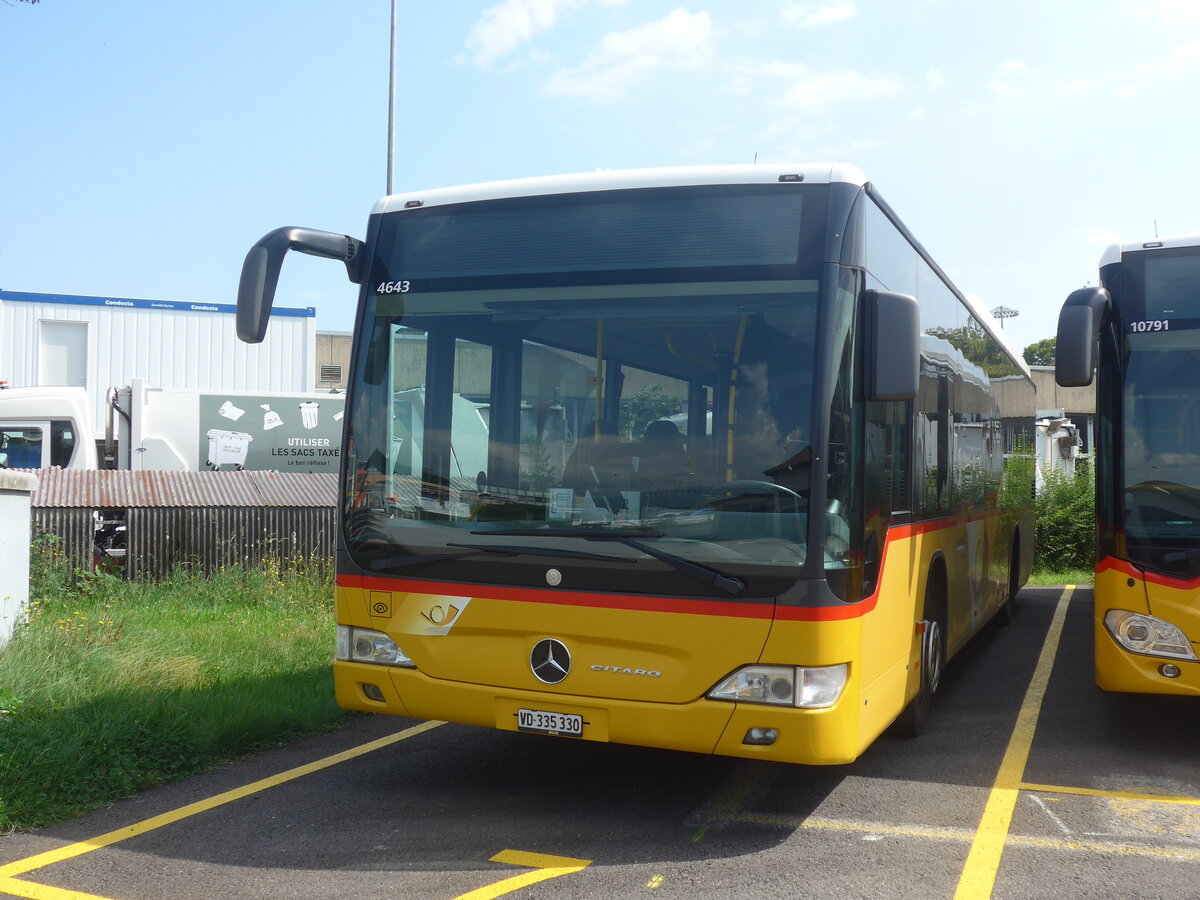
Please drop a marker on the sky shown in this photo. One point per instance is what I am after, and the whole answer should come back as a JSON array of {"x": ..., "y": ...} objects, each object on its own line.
[{"x": 146, "y": 145}]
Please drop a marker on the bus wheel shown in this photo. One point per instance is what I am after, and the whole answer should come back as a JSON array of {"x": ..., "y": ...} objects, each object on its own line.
[
  {"x": 933, "y": 659},
  {"x": 1005, "y": 616}
]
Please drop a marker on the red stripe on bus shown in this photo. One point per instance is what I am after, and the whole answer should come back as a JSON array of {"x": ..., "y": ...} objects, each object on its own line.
[
  {"x": 745, "y": 610},
  {"x": 642, "y": 603},
  {"x": 868, "y": 604},
  {"x": 1123, "y": 567}
]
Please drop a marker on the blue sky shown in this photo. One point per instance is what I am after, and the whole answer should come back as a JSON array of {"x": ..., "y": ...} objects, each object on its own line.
[{"x": 146, "y": 145}]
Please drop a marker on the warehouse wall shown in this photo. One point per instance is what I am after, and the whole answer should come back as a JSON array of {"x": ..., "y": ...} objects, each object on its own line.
[{"x": 169, "y": 344}]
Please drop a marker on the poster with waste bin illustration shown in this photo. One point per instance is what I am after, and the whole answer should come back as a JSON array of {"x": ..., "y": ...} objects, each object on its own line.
[{"x": 301, "y": 433}]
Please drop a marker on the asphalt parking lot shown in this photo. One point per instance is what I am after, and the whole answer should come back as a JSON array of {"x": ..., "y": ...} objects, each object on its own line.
[{"x": 1029, "y": 783}]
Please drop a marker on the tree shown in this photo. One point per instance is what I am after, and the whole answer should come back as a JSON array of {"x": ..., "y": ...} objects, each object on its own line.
[
  {"x": 649, "y": 403},
  {"x": 1040, "y": 353},
  {"x": 976, "y": 346}
]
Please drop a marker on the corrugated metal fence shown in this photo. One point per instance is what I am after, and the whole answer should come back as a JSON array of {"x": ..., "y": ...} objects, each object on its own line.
[{"x": 199, "y": 519}]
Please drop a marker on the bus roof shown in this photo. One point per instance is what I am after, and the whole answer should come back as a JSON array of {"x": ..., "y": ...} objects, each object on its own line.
[
  {"x": 612, "y": 180},
  {"x": 1114, "y": 252}
]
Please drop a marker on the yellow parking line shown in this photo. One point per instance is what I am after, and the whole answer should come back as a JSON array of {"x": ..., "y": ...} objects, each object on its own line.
[
  {"x": 966, "y": 835},
  {"x": 544, "y": 868},
  {"x": 1110, "y": 795},
  {"x": 1179, "y": 854},
  {"x": 20, "y": 867},
  {"x": 983, "y": 861},
  {"x": 31, "y": 891}
]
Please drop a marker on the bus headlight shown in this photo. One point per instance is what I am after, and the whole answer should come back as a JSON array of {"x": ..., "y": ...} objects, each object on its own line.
[
  {"x": 1139, "y": 633},
  {"x": 806, "y": 687},
  {"x": 365, "y": 645}
]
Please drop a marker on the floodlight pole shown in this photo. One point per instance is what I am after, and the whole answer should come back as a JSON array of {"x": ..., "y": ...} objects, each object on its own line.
[
  {"x": 391, "y": 126},
  {"x": 1004, "y": 312}
]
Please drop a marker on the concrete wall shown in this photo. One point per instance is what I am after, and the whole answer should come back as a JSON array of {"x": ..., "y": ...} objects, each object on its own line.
[
  {"x": 15, "y": 535},
  {"x": 1072, "y": 400},
  {"x": 333, "y": 350}
]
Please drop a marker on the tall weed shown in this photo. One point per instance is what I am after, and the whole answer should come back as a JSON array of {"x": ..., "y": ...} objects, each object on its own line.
[{"x": 1065, "y": 519}]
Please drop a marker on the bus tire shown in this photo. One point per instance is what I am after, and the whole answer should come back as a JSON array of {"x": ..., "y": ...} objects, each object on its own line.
[
  {"x": 1005, "y": 615},
  {"x": 933, "y": 655}
]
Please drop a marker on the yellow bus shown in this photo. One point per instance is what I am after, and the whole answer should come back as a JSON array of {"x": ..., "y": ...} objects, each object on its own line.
[
  {"x": 1138, "y": 336},
  {"x": 703, "y": 458}
]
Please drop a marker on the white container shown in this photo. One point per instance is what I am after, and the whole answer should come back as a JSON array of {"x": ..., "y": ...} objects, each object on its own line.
[
  {"x": 101, "y": 342},
  {"x": 15, "y": 535},
  {"x": 227, "y": 447}
]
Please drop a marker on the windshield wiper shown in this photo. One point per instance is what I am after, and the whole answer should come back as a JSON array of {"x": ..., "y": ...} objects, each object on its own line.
[
  {"x": 536, "y": 551},
  {"x": 587, "y": 532},
  {"x": 405, "y": 562},
  {"x": 707, "y": 574}
]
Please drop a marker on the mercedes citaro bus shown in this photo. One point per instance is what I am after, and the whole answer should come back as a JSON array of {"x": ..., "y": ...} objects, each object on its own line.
[
  {"x": 703, "y": 458},
  {"x": 1138, "y": 335}
]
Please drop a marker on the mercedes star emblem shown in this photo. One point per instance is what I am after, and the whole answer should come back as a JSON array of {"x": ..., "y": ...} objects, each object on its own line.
[{"x": 550, "y": 661}]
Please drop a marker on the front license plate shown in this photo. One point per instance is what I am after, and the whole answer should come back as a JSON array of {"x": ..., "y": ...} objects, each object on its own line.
[{"x": 543, "y": 722}]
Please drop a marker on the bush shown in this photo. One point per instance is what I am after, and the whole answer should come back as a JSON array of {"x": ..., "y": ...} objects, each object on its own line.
[
  {"x": 51, "y": 576},
  {"x": 1065, "y": 519}
]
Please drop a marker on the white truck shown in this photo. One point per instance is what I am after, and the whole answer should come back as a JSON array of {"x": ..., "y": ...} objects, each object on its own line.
[{"x": 170, "y": 429}]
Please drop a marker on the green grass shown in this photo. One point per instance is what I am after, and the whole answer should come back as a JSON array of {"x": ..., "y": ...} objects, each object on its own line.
[
  {"x": 111, "y": 686},
  {"x": 1068, "y": 576}
]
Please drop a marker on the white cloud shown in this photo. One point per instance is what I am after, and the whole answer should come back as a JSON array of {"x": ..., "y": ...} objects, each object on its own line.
[
  {"x": 935, "y": 80},
  {"x": 1018, "y": 86},
  {"x": 1015, "y": 83},
  {"x": 1182, "y": 60},
  {"x": 680, "y": 40},
  {"x": 757, "y": 69},
  {"x": 832, "y": 149},
  {"x": 505, "y": 27},
  {"x": 1179, "y": 63},
  {"x": 809, "y": 90},
  {"x": 1100, "y": 237},
  {"x": 819, "y": 90},
  {"x": 1171, "y": 12},
  {"x": 502, "y": 29},
  {"x": 806, "y": 15},
  {"x": 701, "y": 148}
]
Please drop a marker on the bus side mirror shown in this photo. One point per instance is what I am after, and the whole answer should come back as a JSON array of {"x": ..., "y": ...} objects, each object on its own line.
[
  {"x": 893, "y": 323},
  {"x": 260, "y": 272},
  {"x": 1079, "y": 325}
]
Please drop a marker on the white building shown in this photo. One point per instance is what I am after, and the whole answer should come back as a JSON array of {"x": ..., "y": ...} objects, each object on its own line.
[{"x": 103, "y": 342}]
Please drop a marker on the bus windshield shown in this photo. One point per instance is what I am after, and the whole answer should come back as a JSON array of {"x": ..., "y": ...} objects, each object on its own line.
[
  {"x": 1162, "y": 447},
  {"x": 589, "y": 377}
]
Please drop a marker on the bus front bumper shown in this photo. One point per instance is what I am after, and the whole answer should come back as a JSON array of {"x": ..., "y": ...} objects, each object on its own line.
[
  {"x": 810, "y": 737},
  {"x": 1119, "y": 670}
]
